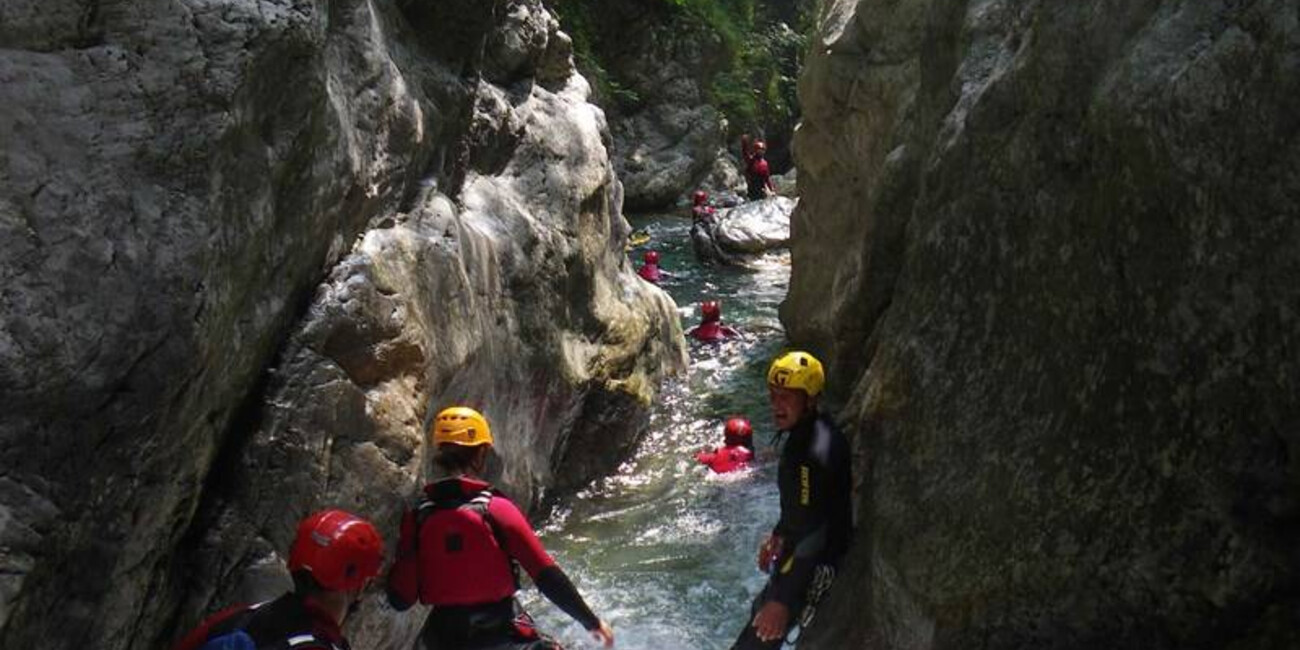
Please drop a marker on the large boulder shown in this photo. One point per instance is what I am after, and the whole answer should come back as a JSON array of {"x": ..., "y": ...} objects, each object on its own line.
[
  {"x": 247, "y": 247},
  {"x": 750, "y": 228},
  {"x": 1061, "y": 317}
]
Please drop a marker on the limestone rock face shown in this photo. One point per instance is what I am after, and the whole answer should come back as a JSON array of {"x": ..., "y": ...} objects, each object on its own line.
[
  {"x": 1050, "y": 252},
  {"x": 748, "y": 229},
  {"x": 755, "y": 226},
  {"x": 177, "y": 181}
]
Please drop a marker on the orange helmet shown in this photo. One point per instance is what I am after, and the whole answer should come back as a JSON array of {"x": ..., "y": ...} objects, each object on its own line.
[{"x": 340, "y": 550}]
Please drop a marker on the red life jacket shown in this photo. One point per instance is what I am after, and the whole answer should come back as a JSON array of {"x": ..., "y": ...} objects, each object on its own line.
[
  {"x": 726, "y": 459},
  {"x": 711, "y": 332},
  {"x": 650, "y": 272},
  {"x": 463, "y": 557}
]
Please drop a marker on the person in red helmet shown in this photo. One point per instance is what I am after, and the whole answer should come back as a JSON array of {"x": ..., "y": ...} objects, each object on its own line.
[
  {"x": 461, "y": 549},
  {"x": 737, "y": 450},
  {"x": 333, "y": 558},
  {"x": 701, "y": 211},
  {"x": 758, "y": 176},
  {"x": 711, "y": 329},
  {"x": 650, "y": 270}
]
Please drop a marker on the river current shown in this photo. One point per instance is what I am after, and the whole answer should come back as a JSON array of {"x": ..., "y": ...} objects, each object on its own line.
[{"x": 663, "y": 549}]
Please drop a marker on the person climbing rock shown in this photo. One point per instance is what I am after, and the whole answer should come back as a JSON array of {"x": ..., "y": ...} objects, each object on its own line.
[
  {"x": 758, "y": 176},
  {"x": 334, "y": 556},
  {"x": 701, "y": 211},
  {"x": 737, "y": 449},
  {"x": 815, "y": 526},
  {"x": 461, "y": 548},
  {"x": 650, "y": 270},
  {"x": 711, "y": 329}
]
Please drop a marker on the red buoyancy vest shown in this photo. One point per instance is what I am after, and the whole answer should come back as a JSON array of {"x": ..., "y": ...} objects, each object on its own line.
[
  {"x": 711, "y": 332},
  {"x": 650, "y": 272},
  {"x": 726, "y": 459},
  {"x": 462, "y": 561}
]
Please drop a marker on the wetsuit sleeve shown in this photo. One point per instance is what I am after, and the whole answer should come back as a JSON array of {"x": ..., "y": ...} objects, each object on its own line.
[
  {"x": 521, "y": 542},
  {"x": 832, "y": 499},
  {"x": 556, "y": 586},
  {"x": 403, "y": 578}
]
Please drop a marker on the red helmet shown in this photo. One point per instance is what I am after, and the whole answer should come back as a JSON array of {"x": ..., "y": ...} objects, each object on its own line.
[
  {"x": 651, "y": 257},
  {"x": 760, "y": 146},
  {"x": 710, "y": 311},
  {"x": 737, "y": 428},
  {"x": 700, "y": 197},
  {"x": 340, "y": 550}
]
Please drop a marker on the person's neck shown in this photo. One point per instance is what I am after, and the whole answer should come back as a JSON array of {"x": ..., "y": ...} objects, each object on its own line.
[{"x": 332, "y": 603}]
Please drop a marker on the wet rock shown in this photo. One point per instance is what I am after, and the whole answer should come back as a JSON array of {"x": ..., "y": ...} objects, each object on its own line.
[
  {"x": 747, "y": 229},
  {"x": 1061, "y": 317},
  {"x": 787, "y": 184},
  {"x": 194, "y": 194}
]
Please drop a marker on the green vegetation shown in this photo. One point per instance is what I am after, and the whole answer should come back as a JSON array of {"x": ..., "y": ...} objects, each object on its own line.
[{"x": 754, "y": 83}]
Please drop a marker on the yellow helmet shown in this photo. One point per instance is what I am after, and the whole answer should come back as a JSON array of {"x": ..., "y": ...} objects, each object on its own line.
[
  {"x": 461, "y": 425},
  {"x": 797, "y": 370}
]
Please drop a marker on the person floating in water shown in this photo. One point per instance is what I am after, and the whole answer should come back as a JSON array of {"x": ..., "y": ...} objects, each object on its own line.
[
  {"x": 816, "y": 521},
  {"x": 461, "y": 548},
  {"x": 711, "y": 329},
  {"x": 650, "y": 270},
  {"x": 737, "y": 449},
  {"x": 701, "y": 211}
]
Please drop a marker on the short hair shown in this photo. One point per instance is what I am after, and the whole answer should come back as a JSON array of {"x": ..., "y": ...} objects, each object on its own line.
[{"x": 453, "y": 457}]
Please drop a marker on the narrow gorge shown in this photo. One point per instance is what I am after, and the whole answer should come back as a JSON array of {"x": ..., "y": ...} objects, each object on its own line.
[{"x": 1048, "y": 252}]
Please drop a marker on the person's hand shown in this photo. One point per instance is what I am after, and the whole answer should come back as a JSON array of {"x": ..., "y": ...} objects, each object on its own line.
[
  {"x": 604, "y": 635},
  {"x": 768, "y": 551},
  {"x": 771, "y": 621}
]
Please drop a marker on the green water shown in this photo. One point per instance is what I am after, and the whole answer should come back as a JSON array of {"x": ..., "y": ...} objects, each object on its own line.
[{"x": 663, "y": 550}]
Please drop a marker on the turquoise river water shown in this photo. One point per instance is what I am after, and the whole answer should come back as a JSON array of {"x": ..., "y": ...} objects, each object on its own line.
[{"x": 663, "y": 550}]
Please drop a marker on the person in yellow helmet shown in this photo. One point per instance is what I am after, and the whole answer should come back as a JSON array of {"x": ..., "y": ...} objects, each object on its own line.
[
  {"x": 816, "y": 523},
  {"x": 461, "y": 548}
]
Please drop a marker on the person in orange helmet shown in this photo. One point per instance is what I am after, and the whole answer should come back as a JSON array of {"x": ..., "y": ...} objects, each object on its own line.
[{"x": 461, "y": 548}]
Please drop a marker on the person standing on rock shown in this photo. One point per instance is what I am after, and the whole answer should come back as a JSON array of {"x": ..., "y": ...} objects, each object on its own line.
[
  {"x": 816, "y": 524},
  {"x": 461, "y": 548},
  {"x": 758, "y": 176},
  {"x": 333, "y": 558}
]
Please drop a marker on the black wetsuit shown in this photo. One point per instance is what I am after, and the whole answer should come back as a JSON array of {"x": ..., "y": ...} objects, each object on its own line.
[{"x": 816, "y": 521}]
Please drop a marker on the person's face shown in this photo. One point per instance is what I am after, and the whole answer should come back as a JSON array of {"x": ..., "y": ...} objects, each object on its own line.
[{"x": 788, "y": 406}]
